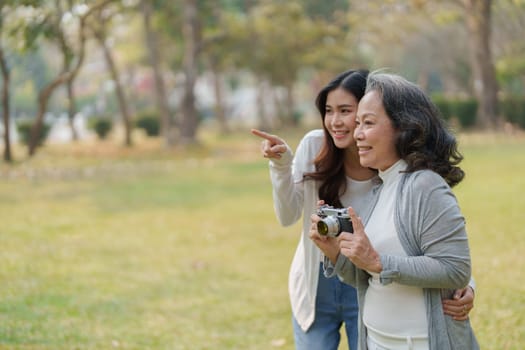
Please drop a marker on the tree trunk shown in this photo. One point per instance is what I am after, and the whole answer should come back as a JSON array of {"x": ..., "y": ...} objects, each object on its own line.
[
  {"x": 262, "y": 112},
  {"x": 5, "y": 105},
  {"x": 71, "y": 108},
  {"x": 121, "y": 97},
  {"x": 67, "y": 57},
  {"x": 43, "y": 99},
  {"x": 291, "y": 119},
  {"x": 277, "y": 119},
  {"x": 478, "y": 21},
  {"x": 190, "y": 30},
  {"x": 220, "y": 114},
  {"x": 160, "y": 87}
]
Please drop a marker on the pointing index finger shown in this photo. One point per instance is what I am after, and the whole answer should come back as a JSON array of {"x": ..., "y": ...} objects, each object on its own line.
[{"x": 272, "y": 138}]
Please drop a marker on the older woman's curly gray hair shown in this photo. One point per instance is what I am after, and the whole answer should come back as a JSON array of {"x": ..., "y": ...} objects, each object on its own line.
[{"x": 424, "y": 140}]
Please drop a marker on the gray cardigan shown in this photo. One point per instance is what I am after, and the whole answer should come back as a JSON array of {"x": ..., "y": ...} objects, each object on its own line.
[{"x": 432, "y": 232}]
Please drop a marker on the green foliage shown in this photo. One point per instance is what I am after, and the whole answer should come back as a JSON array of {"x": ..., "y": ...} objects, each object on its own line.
[
  {"x": 263, "y": 43},
  {"x": 83, "y": 101},
  {"x": 325, "y": 9},
  {"x": 513, "y": 109},
  {"x": 297, "y": 117},
  {"x": 32, "y": 33},
  {"x": 31, "y": 67},
  {"x": 462, "y": 109},
  {"x": 149, "y": 122},
  {"x": 101, "y": 125},
  {"x": 443, "y": 105},
  {"x": 24, "y": 131},
  {"x": 510, "y": 72},
  {"x": 465, "y": 110},
  {"x": 23, "y": 100}
]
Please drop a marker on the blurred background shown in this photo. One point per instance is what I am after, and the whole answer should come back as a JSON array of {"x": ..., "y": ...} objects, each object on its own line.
[
  {"x": 135, "y": 207},
  {"x": 73, "y": 70}
]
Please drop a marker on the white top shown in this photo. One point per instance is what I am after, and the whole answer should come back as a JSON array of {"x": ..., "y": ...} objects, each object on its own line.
[
  {"x": 295, "y": 198},
  {"x": 355, "y": 191},
  {"x": 394, "y": 309}
]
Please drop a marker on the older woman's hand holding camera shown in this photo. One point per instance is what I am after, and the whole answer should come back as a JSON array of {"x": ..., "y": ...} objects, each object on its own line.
[{"x": 357, "y": 247}]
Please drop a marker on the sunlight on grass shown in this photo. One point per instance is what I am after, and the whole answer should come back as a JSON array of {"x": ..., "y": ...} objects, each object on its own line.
[
  {"x": 492, "y": 203},
  {"x": 181, "y": 250}
]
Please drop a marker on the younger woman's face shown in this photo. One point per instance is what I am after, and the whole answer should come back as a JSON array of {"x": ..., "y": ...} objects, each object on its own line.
[{"x": 339, "y": 119}]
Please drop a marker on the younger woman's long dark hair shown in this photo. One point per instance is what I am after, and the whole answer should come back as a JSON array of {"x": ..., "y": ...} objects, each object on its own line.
[{"x": 329, "y": 163}]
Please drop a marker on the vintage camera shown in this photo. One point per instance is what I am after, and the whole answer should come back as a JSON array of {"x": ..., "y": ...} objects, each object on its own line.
[{"x": 333, "y": 221}]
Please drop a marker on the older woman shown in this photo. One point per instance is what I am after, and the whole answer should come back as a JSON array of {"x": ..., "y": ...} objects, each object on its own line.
[{"x": 413, "y": 251}]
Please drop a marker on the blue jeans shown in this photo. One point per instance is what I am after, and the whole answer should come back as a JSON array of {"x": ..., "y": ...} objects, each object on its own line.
[{"x": 336, "y": 303}]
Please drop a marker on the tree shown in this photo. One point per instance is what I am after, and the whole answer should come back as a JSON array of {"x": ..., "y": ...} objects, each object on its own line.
[
  {"x": 152, "y": 44},
  {"x": 216, "y": 46},
  {"x": 50, "y": 26},
  {"x": 68, "y": 55},
  {"x": 5, "y": 7},
  {"x": 277, "y": 55},
  {"x": 508, "y": 46},
  {"x": 410, "y": 21},
  {"x": 99, "y": 26},
  {"x": 478, "y": 15},
  {"x": 5, "y": 96},
  {"x": 191, "y": 28}
]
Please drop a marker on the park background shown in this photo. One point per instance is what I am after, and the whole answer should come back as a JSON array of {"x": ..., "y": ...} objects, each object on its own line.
[{"x": 135, "y": 208}]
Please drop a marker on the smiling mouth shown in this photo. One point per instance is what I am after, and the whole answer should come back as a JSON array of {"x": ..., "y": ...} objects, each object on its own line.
[
  {"x": 363, "y": 149},
  {"x": 340, "y": 133}
]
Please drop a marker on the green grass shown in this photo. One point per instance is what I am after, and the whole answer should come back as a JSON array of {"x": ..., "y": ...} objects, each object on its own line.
[{"x": 181, "y": 250}]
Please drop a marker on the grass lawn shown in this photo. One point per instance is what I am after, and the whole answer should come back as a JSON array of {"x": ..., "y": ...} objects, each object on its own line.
[{"x": 108, "y": 248}]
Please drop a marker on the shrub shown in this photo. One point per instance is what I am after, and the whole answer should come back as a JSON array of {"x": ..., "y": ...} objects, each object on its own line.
[
  {"x": 443, "y": 105},
  {"x": 102, "y": 126},
  {"x": 297, "y": 117},
  {"x": 465, "y": 111},
  {"x": 24, "y": 131},
  {"x": 150, "y": 123},
  {"x": 513, "y": 109}
]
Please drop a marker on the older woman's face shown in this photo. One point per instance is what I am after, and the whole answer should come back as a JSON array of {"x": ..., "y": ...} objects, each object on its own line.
[{"x": 374, "y": 134}]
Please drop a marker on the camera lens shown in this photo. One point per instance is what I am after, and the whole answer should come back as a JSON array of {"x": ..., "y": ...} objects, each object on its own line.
[
  {"x": 322, "y": 228},
  {"x": 328, "y": 226}
]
